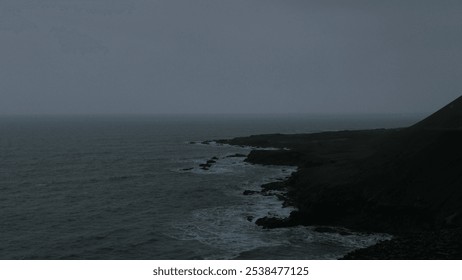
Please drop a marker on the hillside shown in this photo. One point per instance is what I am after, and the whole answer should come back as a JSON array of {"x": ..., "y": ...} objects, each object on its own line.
[
  {"x": 397, "y": 181},
  {"x": 449, "y": 117}
]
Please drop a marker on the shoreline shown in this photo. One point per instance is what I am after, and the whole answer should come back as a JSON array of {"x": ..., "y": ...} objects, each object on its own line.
[
  {"x": 275, "y": 189},
  {"x": 291, "y": 221},
  {"x": 403, "y": 181},
  {"x": 284, "y": 156},
  {"x": 332, "y": 187}
]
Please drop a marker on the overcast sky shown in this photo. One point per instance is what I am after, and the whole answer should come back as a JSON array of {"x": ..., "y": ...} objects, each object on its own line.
[{"x": 229, "y": 56}]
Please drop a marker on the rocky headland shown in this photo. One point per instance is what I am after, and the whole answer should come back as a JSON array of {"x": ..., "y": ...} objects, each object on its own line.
[{"x": 405, "y": 181}]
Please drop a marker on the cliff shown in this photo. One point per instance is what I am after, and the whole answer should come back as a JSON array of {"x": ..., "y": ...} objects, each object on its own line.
[{"x": 398, "y": 181}]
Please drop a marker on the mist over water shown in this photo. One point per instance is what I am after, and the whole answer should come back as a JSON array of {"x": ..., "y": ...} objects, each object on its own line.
[
  {"x": 239, "y": 56},
  {"x": 130, "y": 187}
]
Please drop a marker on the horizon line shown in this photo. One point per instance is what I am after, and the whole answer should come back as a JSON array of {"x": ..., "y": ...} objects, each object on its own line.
[{"x": 81, "y": 114}]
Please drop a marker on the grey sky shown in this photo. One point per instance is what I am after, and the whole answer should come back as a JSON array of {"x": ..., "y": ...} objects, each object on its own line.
[{"x": 229, "y": 56}]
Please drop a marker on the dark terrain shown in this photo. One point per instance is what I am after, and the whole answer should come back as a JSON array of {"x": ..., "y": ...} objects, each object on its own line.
[{"x": 407, "y": 182}]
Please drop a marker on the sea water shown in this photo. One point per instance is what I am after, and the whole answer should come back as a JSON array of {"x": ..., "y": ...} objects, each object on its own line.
[{"x": 130, "y": 187}]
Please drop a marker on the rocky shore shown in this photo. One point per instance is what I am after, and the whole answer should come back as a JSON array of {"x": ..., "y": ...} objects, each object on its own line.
[{"x": 404, "y": 181}]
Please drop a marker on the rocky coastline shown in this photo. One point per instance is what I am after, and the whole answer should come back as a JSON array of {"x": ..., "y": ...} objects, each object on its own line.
[{"x": 405, "y": 181}]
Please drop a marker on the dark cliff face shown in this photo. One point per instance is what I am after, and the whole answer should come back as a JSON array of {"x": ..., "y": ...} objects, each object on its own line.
[
  {"x": 379, "y": 180},
  {"x": 414, "y": 183}
]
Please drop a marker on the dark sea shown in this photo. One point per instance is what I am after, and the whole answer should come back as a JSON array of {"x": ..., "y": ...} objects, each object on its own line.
[{"x": 130, "y": 187}]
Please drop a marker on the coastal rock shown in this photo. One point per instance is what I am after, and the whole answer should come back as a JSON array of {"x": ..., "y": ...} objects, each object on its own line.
[
  {"x": 236, "y": 155},
  {"x": 341, "y": 231},
  {"x": 250, "y": 192},
  {"x": 274, "y": 186},
  {"x": 204, "y": 166},
  {"x": 208, "y": 163},
  {"x": 272, "y": 222},
  {"x": 427, "y": 245}
]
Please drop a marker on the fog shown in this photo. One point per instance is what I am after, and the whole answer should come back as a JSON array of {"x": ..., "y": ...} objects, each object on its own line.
[{"x": 228, "y": 56}]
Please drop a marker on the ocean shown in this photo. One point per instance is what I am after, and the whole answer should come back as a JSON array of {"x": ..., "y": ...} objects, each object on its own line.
[{"x": 130, "y": 187}]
